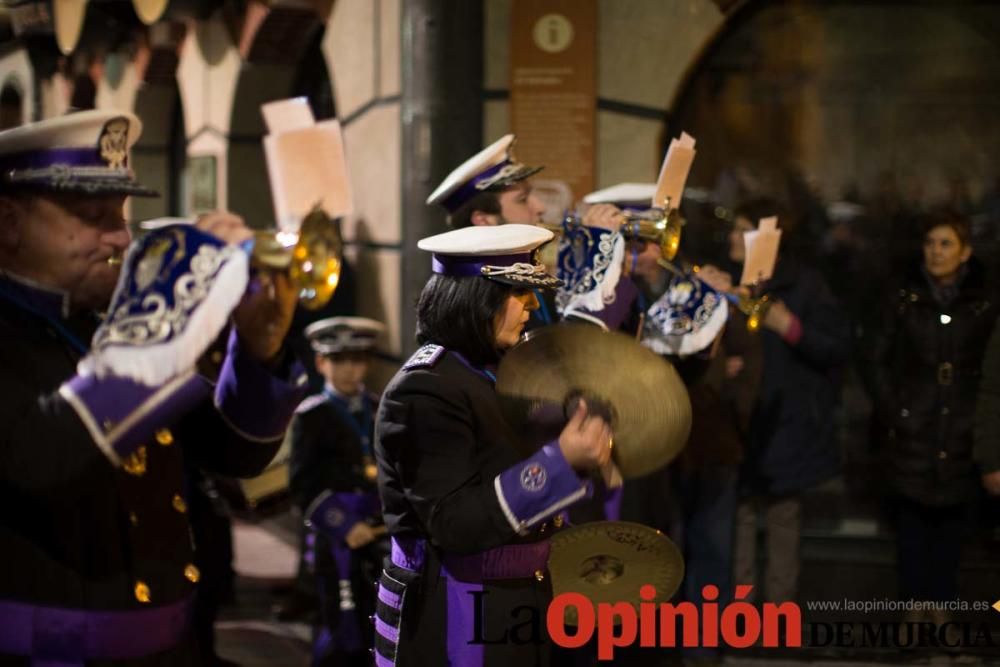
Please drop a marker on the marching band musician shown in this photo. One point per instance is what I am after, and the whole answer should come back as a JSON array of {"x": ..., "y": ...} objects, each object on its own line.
[
  {"x": 490, "y": 188},
  {"x": 468, "y": 516},
  {"x": 333, "y": 471},
  {"x": 493, "y": 188},
  {"x": 94, "y": 529},
  {"x": 804, "y": 339}
]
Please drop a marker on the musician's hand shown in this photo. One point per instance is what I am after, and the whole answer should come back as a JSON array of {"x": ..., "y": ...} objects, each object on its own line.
[
  {"x": 359, "y": 535},
  {"x": 778, "y": 318},
  {"x": 586, "y": 441},
  {"x": 734, "y": 366},
  {"x": 605, "y": 216},
  {"x": 716, "y": 278},
  {"x": 991, "y": 482},
  {"x": 224, "y": 225},
  {"x": 265, "y": 314}
]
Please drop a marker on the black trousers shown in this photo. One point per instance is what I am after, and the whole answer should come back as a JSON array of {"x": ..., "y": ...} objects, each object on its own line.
[{"x": 929, "y": 549}]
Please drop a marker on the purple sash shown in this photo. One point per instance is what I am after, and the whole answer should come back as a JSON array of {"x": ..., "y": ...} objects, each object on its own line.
[{"x": 57, "y": 637}]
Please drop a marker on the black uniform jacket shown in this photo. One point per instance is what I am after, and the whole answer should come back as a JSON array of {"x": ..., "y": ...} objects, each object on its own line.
[
  {"x": 327, "y": 452},
  {"x": 75, "y": 531},
  {"x": 452, "y": 472}
]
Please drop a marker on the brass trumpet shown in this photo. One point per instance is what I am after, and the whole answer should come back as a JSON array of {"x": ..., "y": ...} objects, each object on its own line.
[
  {"x": 755, "y": 308},
  {"x": 661, "y": 226},
  {"x": 753, "y": 304},
  {"x": 313, "y": 258}
]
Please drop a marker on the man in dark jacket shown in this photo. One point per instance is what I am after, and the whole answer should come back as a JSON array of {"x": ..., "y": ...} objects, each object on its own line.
[{"x": 97, "y": 554}]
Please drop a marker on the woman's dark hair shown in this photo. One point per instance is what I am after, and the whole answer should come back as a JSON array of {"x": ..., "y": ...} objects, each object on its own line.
[
  {"x": 458, "y": 314},
  {"x": 755, "y": 210},
  {"x": 947, "y": 218},
  {"x": 487, "y": 202}
]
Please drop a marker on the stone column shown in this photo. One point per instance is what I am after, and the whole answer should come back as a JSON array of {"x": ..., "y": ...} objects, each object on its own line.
[{"x": 442, "y": 66}]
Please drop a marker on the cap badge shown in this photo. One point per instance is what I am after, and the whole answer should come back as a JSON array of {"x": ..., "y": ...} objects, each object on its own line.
[
  {"x": 114, "y": 143},
  {"x": 508, "y": 171}
]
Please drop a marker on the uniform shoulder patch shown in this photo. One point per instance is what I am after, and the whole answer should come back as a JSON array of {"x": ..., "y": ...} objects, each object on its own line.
[
  {"x": 311, "y": 402},
  {"x": 425, "y": 357}
]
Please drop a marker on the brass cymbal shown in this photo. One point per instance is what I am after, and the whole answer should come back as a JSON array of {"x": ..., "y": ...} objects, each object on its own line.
[
  {"x": 646, "y": 400},
  {"x": 609, "y": 561}
]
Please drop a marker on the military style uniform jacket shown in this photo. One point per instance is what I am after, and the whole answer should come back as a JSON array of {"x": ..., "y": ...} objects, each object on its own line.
[
  {"x": 328, "y": 451},
  {"x": 332, "y": 467},
  {"x": 78, "y": 532},
  {"x": 469, "y": 518}
]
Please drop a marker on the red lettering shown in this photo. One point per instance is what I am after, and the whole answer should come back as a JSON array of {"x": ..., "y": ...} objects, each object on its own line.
[
  {"x": 555, "y": 620},
  {"x": 647, "y": 617},
  {"x": 710, "y": 617},
  {"x": 792, "y": 614},
  {"x": 606, "y": 638},
  {"x": 668, "y": 624}
]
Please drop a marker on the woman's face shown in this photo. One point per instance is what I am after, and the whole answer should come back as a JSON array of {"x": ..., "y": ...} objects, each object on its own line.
[
  {"x": 944, "y": 252},
  {"x": 514, "y": 314},
  {"x": 737, "y": 247}
]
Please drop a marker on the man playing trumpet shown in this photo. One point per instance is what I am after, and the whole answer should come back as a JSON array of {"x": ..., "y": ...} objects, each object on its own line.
[{"x": 94, "y": 527}]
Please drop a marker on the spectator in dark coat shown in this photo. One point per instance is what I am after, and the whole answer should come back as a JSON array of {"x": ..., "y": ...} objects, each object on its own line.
[
  {"x": 805, "y": 338},
  {"x": 927, "y": 362},
  {"x": 987, "y": 442}
]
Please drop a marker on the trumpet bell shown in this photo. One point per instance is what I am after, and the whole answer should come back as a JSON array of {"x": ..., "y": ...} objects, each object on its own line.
[
  {"x": 313, "y": 259},
  {"x": 317, "y": 260},
  {"x": 670, "y": 238}
]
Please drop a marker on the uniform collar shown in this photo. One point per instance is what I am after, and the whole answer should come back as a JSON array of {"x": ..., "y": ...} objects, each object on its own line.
[
  {"x": 353, "y": 403},
  {"x": 46, "y": 301}
]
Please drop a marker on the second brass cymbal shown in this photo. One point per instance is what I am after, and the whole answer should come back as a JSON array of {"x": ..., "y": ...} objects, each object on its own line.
[
  {"x": 610, "y": 561},
  {"x": 649, "y": 408}
]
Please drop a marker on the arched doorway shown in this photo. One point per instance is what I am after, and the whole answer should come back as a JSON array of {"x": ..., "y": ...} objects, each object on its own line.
[
  {"x": 883, "y": 104},
  {"x": 11, "y": 104}
]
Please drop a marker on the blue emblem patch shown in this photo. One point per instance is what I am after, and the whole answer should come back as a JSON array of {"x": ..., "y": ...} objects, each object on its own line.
[
  {"x": 533, "y": 477},
  {"x": 334, "y": 517}
]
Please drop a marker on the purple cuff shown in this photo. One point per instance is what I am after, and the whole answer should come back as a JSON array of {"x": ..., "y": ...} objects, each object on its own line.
[
  {"x": 255, "y": 402},
  {"x": 334, "y": 514},
  {"x": 121, "y": 414},
  {"x": 538, "y": 487},
  {"x": 614, "y": 314}
]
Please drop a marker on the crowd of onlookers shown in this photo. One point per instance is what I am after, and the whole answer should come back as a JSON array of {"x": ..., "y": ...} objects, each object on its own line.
[{"x": 896, "y": 305}]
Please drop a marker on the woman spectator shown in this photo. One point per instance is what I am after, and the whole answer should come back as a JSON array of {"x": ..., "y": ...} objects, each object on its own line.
[{"x": 927, "y": 360}]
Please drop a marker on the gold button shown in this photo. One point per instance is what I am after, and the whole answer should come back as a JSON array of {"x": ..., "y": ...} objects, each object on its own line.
[
  {"x": 164, "y": 437},
  {"x": 192, "y": 574},
  {"x": 135, "y": 464},
  {"x": 557, "y": 521},
  {"x": 179, "y": 504},
  {"x": 942, "y": 455},
  {"x": 539, "y": 575},
  {"x": 133, "y": 519},
  {"x": 141, "y": 592},
  {"x": 217, "y": 357}
]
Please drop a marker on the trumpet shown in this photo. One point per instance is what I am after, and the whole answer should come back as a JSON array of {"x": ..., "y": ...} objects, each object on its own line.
[
  {"x": 755, "y": 308},
  {"x": 752, "y": 303},
  {"x": 313, "y": 258},
  {"x": 661, "y": 226}
]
